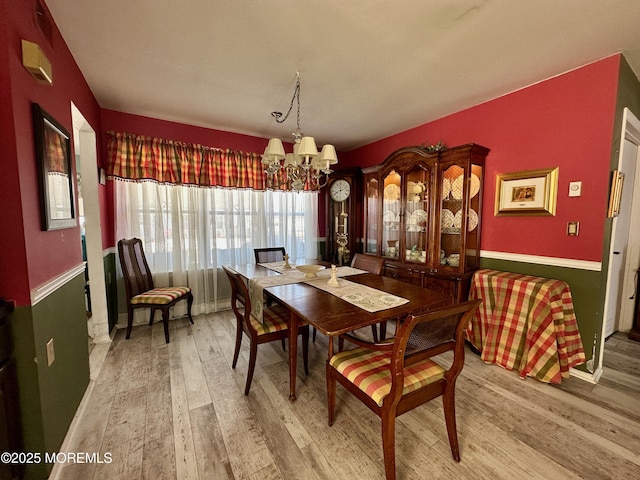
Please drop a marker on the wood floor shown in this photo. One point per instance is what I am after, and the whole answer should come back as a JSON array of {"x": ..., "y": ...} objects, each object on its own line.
[{"x": 178, "y": 411}]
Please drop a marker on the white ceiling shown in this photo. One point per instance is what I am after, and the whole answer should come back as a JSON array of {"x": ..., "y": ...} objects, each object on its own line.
[{"x": 368, "y": 68}]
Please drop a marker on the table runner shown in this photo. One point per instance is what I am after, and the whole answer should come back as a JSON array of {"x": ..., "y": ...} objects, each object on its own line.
[
  {"x": 363, "y": 296},
  {"x": 525, "y": 324},
  {"x": 341, "y": 271},
  {"x": 257, "y": 285}
]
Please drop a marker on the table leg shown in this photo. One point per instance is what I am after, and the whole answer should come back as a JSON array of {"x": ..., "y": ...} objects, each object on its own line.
[{"x": 293, "y": 355}]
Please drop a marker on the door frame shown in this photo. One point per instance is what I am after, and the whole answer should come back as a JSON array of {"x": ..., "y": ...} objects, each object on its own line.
[
  {"x": 630, "y": 131},
  {"x": 85, "y": 146}
]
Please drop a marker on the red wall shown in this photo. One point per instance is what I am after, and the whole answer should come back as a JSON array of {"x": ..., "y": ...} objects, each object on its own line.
[
  {"x": 32, "y": 256},
  {"x": 567, "y": 122}
]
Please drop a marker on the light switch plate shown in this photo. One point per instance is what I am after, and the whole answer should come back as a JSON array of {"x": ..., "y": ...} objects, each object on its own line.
[
  {"x": 573, "y": 228},
  {"x": 575, "y": 189}
]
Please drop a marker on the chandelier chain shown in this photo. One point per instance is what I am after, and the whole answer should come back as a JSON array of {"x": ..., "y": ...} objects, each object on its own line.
[{"x": 296, "y": 96}]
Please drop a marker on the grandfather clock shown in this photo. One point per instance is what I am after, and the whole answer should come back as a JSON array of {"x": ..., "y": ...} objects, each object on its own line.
[{"x": 343, "y": 219}]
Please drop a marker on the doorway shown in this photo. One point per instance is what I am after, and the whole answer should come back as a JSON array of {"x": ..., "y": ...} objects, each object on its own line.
[
  {"x": 84, "y": 139},
  {"x": 624, "y": 256}
]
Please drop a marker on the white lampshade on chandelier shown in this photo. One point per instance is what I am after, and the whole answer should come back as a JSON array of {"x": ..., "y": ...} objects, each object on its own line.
[{"x": 303, "y": 169}]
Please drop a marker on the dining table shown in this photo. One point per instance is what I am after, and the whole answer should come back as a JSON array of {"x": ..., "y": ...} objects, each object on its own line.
[{"x": 324, "y": 309}]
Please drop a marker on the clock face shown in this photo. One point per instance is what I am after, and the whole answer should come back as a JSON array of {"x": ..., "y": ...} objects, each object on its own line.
[{"x": 340, "y": 190}]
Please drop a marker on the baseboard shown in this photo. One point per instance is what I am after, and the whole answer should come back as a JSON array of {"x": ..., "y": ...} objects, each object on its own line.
[
  {"x": 586, "y": 376},
  {"x": 56, "y": 471}
]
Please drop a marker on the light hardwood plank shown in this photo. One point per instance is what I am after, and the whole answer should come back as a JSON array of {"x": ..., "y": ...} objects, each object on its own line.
[
  {"x": 178, "y": 411},
  {"x": 185, "y": 461},
  {"x": 211, "y": 453}
]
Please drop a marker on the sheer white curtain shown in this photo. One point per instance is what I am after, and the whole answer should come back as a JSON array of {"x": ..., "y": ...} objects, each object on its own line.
[{"x": 190, "y": 232}]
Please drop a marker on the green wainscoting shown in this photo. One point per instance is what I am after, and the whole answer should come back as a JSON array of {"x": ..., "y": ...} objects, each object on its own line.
[{"x": 50, "y": 395}]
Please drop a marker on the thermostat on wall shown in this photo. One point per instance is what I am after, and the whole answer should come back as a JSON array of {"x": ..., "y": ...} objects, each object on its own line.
[{"x": 575, "y": 189}]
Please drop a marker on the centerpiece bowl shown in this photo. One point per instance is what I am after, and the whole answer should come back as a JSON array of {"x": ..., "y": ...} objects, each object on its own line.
[{"x": 310, "y": 271}]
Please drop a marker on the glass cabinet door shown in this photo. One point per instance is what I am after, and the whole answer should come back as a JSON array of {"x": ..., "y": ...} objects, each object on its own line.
[
  {"x": 472, "y": 245},
  {"x": 416, "y": 215},
  {"x": 451, "y": 217},
  {"x": 391, "y": 215},
  {"x": 371, "y": 216}
]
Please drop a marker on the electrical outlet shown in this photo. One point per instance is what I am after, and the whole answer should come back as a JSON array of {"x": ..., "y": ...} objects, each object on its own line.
[{"x": 51, "y": 355}]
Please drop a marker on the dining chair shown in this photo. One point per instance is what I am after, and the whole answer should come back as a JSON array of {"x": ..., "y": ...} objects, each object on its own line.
[
  {"x": 271, "y": 254},
  {"x": 397, "y": 375},
  {"x": 140, "y": 290},
  {"x": 373, "y": 265},
  {"x": 273, "y": 327}
]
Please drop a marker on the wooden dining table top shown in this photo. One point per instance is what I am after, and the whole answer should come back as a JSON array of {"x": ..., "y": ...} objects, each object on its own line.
[{"x": 332, "y": 315}]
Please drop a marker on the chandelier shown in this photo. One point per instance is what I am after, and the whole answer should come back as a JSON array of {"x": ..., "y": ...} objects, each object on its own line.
[{"x": 305, "y": 168}]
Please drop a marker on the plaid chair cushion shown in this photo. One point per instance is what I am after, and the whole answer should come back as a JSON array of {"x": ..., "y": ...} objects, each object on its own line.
[
  {"x": 369, "y": 371},
  {"x": 274, "y": 318},
  {"x": 160, "y": 296}
]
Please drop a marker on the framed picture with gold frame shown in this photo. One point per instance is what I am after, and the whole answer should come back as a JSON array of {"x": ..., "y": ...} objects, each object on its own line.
[
  {"x": 615, "y": 197},
  {"x": 527, "y": 193}
]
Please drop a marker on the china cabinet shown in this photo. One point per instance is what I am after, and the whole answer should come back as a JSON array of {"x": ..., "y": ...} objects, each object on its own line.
[
  {"x": 422, "y": 214},
  {"x": 343, "y": 199}
]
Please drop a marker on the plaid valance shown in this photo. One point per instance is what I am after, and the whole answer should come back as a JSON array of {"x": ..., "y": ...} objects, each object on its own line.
[{"x": 137, "y": 158}]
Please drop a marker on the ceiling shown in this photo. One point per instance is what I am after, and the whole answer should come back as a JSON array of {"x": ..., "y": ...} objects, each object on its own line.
[{"x": 368, "y": 68}]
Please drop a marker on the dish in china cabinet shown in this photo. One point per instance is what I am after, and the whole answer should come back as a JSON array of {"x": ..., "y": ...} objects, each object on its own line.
[
  {"x": 389, "y": 216},
  {"x": 457, "y": 219},
  {"x": 475, "y": 185},
  {"x": 446, "y": 188},
  {"x": 446, "y": 218},
  {"x": 419, "y": 216},
  {"x": 473, "y": 220},
  {"x": 456, "y": 187},
  {"x": 392, "y": 192}
]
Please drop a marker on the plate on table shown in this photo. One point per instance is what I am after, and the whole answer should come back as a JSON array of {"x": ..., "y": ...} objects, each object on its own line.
[
  {"x": 392, "y": 192},
  {"x": 446, "y": 218}
]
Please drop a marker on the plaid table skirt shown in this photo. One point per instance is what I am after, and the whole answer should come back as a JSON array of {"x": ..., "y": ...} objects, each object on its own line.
[{"x": 526, "y": 324}]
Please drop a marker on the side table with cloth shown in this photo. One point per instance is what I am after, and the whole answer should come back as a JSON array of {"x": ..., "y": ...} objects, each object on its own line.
[{"x": 525, "y": 324}]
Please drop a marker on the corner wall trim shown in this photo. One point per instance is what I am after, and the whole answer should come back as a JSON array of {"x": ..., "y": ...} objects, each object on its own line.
[
  {"x": 540, "y": 260},
  {"x": 586, "y": 376},
  {"x": 41, "y": 292}
]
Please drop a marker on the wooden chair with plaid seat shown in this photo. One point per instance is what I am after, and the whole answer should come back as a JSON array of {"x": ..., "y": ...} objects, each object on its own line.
[
  {"x": 140, "y": 290},
  {"x": 274, "y": 325},
  {"x": 396, "y": 376}
]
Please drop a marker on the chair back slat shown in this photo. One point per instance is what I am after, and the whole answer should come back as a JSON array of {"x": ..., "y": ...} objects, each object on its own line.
[
  {"x": 239, "y": 293},
  {"x": 267, "y": 255},
  {"x": 368, "y": 263},
  {"x": 135, "y": 269}
]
